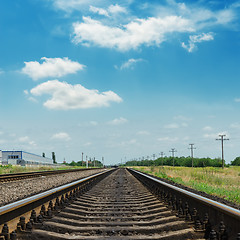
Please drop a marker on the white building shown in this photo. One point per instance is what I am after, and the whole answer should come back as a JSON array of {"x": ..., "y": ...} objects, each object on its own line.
[{"x": 23, "y": 158}]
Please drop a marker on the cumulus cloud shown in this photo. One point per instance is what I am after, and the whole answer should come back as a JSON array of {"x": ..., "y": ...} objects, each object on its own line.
[
  {"x": 111, "y": 10},
  {"x": 61, "y": 136},
  {"x": 197, "y": 39},
  {"x": 168, "y": 20},
  {"x": 118, "y": 121},
  {"x": 65, "y": 96},
  {"x": 99, "y": 11},
  {"x": 130, "y": 63},
  {"x": 70, "y": 5},
  {"x": 237, "y": 99},
  {"x": 149, "y": 32},
  {"x": 51, "y": 67}
]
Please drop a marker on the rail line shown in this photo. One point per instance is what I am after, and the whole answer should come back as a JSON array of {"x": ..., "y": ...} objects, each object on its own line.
[
  {"x": 18, "y": 176},
  {"x": 118, "y": 204}
]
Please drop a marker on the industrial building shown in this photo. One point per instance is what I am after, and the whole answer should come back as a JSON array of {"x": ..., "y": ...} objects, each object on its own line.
[{"x": 23, "y": 158}]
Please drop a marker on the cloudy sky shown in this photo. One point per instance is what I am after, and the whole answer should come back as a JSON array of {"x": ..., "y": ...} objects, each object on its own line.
[{"x": 119, "y": 79}]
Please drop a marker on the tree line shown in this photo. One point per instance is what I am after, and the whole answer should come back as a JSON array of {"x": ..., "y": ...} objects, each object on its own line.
[{"x": 182, "y": 161}]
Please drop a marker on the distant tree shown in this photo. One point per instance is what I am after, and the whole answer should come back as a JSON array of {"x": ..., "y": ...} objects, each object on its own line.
[
  {"x": 54, "y": 157},
  {"x": 236, "y": 161},
  {"x": 43, "y": 154}
]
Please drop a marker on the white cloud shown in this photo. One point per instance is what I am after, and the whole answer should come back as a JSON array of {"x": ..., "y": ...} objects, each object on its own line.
[
  {"x": 182, "y": 118},
  {"x": 215, "y": 135},
  {"x": 87, "y": 144},
  {"x": 210, "y": 135},
  {"x": 207, "y": 128},
  {"x": 114, "y": 9},
  {"x": 168, "y": 139},
  {"x": 99, "y": 11},
  {"x": 197, "y": 39},
  {"x": 237, "y": 99},
  {"x": 150, "y": 31},
  {"x": 51, "y": 67},
  {"x": 61, "y": 136},
  {"x": 129, "y": 142},
  {"x": 172, "y": 126},
  {"x": 70, "y": 5},
  {"x": 26, "y": 140},
  {"x": 133, "y": 32},
  {"x": 130, "y": 63},
  {"x": 93, "y": 123},
  {"x": 111, "y": 10},
  {"x": 118, "y": 121},
  {"x": 65, "y": 96}
]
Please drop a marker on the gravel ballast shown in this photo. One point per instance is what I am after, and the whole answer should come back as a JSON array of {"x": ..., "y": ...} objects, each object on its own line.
[{"x": 20, "y": 189}]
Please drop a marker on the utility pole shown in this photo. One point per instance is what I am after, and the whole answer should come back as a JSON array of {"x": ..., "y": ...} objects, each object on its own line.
[
  {"x": 103, "y": 161},
  {"x": 191, "y": 147},
  {"x": 154, "y": 156},
  {"x": 162, "y": 157},
  {"x": 173, "y": 151},
  {"x": 222, "y": 139},
  {"x": 82, "y": 159},
  {"x": 94, "y": 161},
  {"x": 86, "y": 162}
]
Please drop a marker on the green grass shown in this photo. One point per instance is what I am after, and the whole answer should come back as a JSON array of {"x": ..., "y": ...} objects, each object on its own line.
[
  {"x": 4, "y": 169},
  {"x": 224, "y": 183}
]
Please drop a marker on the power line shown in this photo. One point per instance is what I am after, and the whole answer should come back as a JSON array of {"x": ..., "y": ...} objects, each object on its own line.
[
  {"x": 161, "y": 153},
  {"x": 192, "y": 144},
  {"x": 222, "y": 139},
  {"x": 173, "y": 151}
]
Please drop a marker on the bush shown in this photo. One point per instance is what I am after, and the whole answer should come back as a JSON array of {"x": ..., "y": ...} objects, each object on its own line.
[{"x": 236, "y": 161}]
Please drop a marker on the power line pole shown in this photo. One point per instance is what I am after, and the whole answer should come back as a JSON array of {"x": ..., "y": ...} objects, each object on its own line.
[
  {"x": 86, "y": 162},
  {"x": 103, "y": 161},
  {"x": 191, "y": 148},
  {"x": 222, "y": 139},
  {"x": 162, "y": 157},
  {"x": 94, "y": 162},
  {"x": 82, "y": 159},
  {"x": 173, "y": 151}
]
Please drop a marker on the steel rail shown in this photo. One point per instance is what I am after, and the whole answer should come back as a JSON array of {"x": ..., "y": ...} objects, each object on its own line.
[
  {"x": 215, "y": 210},
  {"x": 18, "y": 208}
]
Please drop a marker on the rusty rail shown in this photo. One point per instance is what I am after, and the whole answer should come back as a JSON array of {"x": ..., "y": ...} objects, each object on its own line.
[
  {"x": 212, "y": 217},
  {"x": 47, "y": 201}
]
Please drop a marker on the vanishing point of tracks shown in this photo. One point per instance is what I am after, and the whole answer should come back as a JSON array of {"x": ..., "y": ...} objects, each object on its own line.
[{"x": 117, "y": 205}]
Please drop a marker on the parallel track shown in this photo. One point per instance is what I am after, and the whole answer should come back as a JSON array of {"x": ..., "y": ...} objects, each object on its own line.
[
  {"x": 121, "y": 204},
  {"x": 18, "y": 176}
]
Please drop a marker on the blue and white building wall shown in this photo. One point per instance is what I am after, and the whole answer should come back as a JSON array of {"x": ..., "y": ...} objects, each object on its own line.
[{"x": 23, "y": 158}]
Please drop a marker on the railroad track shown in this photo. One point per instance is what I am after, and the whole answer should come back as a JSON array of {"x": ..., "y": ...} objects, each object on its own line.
[
  {"x": 115, "y": 204},
  {"x": 18, "y": 176}
]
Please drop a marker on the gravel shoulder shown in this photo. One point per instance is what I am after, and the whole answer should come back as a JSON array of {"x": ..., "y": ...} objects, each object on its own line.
[{"x": 20, "y": 189}]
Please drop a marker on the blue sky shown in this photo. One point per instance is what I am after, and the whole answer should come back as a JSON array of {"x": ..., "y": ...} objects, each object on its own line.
[{"x": 119, "y": 79}]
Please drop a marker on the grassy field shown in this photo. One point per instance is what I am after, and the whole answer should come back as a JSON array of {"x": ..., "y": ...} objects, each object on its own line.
[
  {"x": 224, "y": 183},
  {"x": 18, "y": 169}
]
